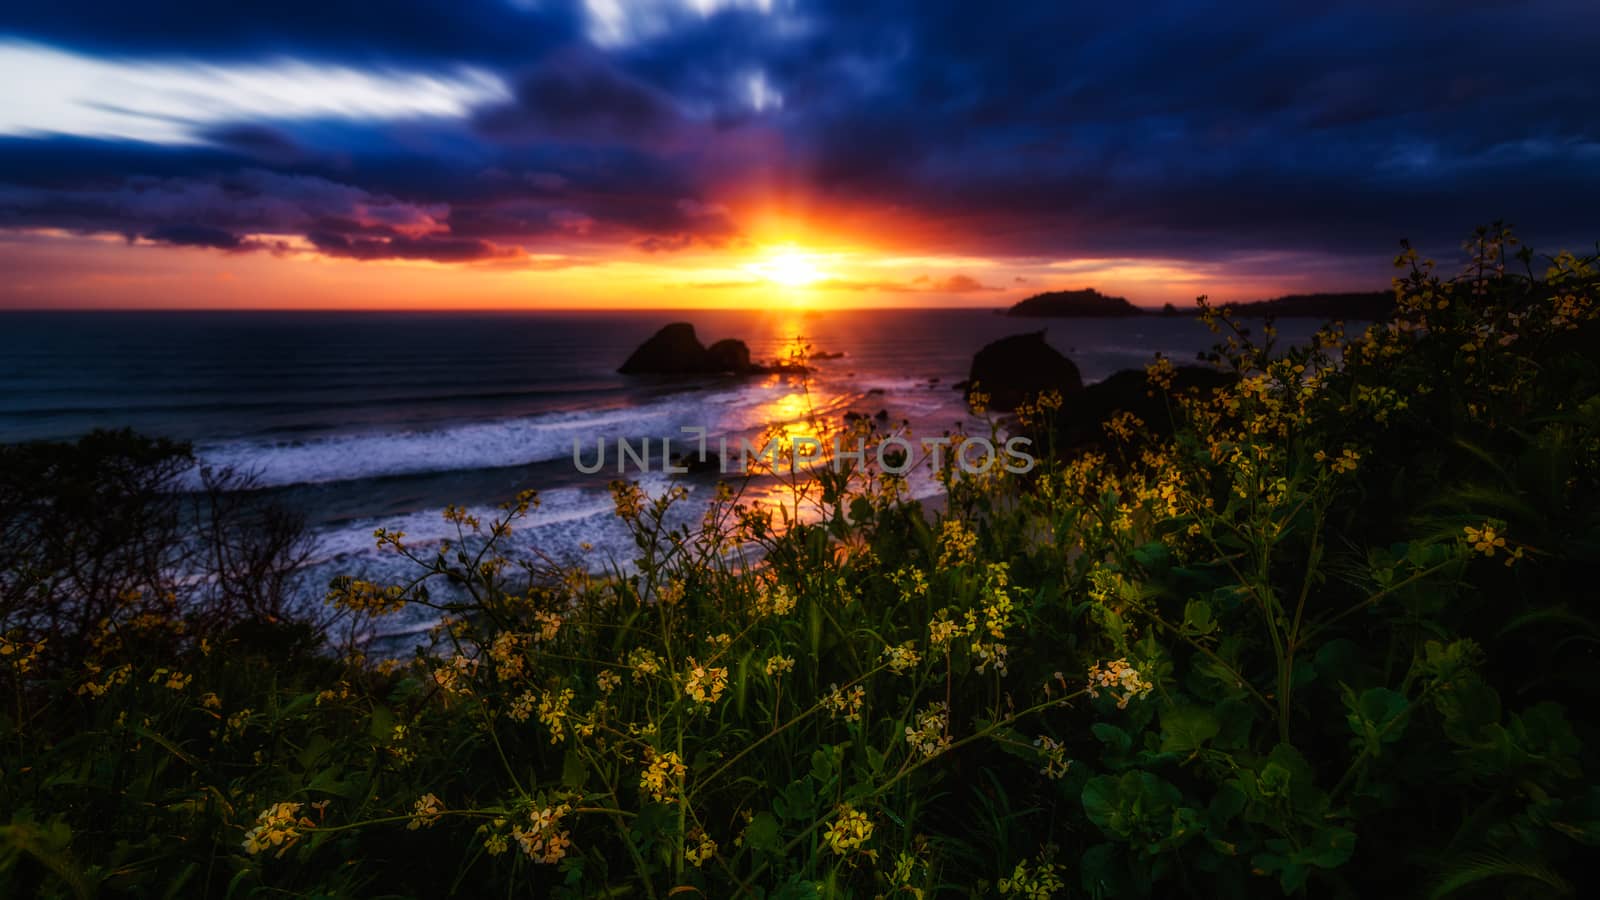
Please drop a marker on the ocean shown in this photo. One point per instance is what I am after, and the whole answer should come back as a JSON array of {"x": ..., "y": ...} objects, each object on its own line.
[{"x": 369, "y": 419}]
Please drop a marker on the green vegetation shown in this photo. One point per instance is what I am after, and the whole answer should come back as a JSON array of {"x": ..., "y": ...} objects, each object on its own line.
[{"x": 1329, "y": 632}]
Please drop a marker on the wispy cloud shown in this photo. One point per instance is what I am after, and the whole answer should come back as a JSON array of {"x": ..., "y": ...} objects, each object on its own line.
[{"x": 45, "y": 91}]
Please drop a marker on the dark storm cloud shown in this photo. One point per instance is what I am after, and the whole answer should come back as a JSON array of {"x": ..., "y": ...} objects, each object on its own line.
[
  {"x": 1033, "y": 130},
  {"x": 467, "y": 211},
  {"x": 195, "y": 236},
  {"x": 438, "y": 249},
  {"x": 578, "y": 96},
  {"x": 1189, "y": 127},
  {"x": 463, "y": 29},
  {"x": 260, "y": 142}
]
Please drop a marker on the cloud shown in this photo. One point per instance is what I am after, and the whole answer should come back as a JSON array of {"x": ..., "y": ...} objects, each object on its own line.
[
  {"x": 59, "y": 92},
  {"x": 613, "y": 23},
  {"x": 960, "y": 284},
  {"x": 578, "y": 96},
  {"x": 1052, "y": 132},
  {"x": 405, "y": 30},
  {"x": 952, "y": 284},
  {"x": 437, "y": 249},
  {"x": 195, "y": 236}
]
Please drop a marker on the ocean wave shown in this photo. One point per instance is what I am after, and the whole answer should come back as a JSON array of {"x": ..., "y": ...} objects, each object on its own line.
[
  {"x": 478, "y": 445},
  {"x": 564, "y": 519}
]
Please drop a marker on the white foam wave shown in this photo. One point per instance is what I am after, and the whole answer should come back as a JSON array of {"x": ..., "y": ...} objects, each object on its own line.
[{"x": 476, "y": 445}]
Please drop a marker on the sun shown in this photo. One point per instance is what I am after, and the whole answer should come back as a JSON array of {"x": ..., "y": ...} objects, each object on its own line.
[{"x": 788, "y": 267}]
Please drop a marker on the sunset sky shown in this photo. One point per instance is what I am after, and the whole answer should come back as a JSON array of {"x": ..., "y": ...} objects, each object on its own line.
[{"x": 660, "y": 153}]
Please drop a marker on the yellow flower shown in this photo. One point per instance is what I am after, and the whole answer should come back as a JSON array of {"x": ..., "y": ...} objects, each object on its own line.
[
  {"x": 1485, "y": 540},
  {"x": 957, "y": 542},
  {"x": 549, "y": 624},
  {"x": 279, "y": 825},
  {"x": 554, "y": 708},
  {"x": 1160, "y": 373},
  {"x": 942, "y": 630},
  {"x": 456, "y": 678},
  {"x": 845, "y": 703},
  {"x": 171, "y": 680},
  {"x": 931, "y": 735},
  {"x": 1121, "y": 680},
  {"x": 772, "y": 598},
  {"x": 425, "y": 812},
  {"x": 977, "y": 400},
  {"x": 1054, "y": 752},
  {"x": 522, "y": 707},
  {"x": 989, "y": 654},
  {"x": 644, "y": 663},
  {"x": 506, "y": 651},
  {"x": 662, "y": 776},
  {"x": 777, "y": 665},
  {"x": 1042, "y": 884},
  {"x": 849, "y": 831},
  {"x": 1346, "y": 462},
  {"x": 364, "y": 596},
  {"x": 698, "y": 847},
  {"x": 397, "y": 745},
  {"x": 706, "y": 683},
  {"x": 628, "y": 498},
  {"x": 902, "y": 657},
  {"x": 542, "y": 841},
  {"x": 1123, "y": 426},
  {"x": 21, "y": 655}
]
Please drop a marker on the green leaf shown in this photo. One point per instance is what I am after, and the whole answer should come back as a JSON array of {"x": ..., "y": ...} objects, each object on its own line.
[
  {"x": 1152, "y": 555},
  {"x": 382, "y": 725},
  {"x": 1100, "y": 800},
  {"x": 1375, "y": 716},
  {"x": 763, "y": 833},
  {"x": 327, "y": 781},
  {"x": 1137, "y": 807},
  {"x": 1185, "y": 729},
  {"x": 1329, "y": 848},
  {"x": 1198, "y": 618},
  {"x": 1234, "y": 718},
  {"x": 1226, "y": 804},
  {"x": 1481, "y": 867},
  {"x": 1113, "y": 737},
  {"x": 797, "y": 802}
]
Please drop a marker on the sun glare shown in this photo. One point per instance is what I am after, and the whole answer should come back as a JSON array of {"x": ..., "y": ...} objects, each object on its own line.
[{"x": 788, "y": 267}]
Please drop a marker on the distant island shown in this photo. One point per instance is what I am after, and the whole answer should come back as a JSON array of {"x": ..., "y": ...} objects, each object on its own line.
[
  {"x": 1086, "y": 303},
  {"x": 1373, "y": 305},
  {"x": 1090, "y": 303}
]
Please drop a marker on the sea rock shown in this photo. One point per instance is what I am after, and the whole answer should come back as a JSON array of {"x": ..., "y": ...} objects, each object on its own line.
[
  {"x": 728, "y": 356},
  {"x": 674, "y": 350},
  {"x": 1015, "y": 368}
]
